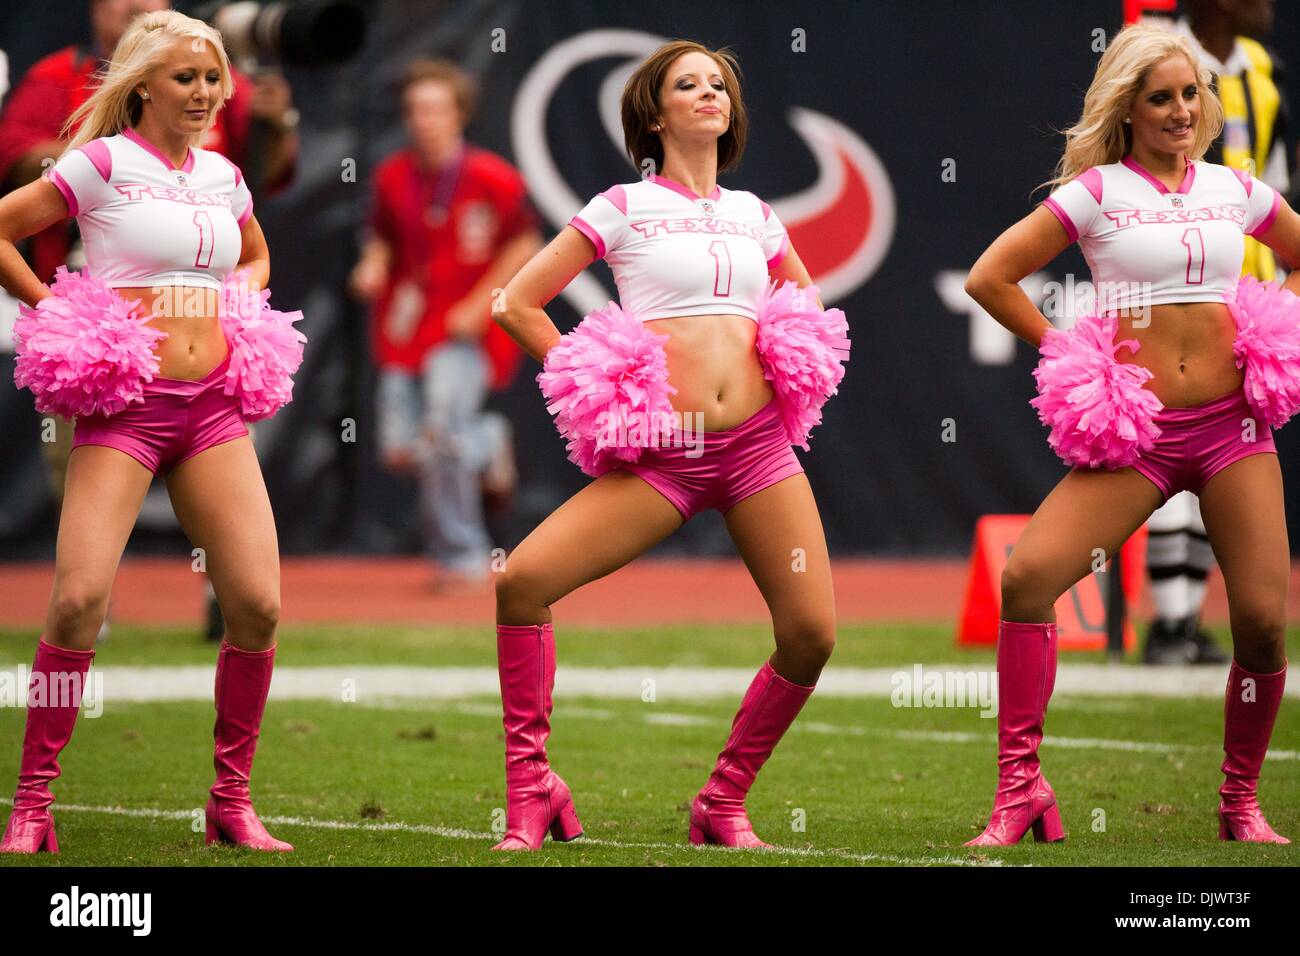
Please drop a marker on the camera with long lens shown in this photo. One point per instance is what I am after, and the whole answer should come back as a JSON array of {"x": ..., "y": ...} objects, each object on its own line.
[
  {"x": 309, "y": 33},
  {"x": 305, "y": 33}
]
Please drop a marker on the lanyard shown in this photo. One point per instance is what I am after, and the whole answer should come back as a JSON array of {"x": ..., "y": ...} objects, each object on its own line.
[
  {"x": 1215, "y": 153},
  {"x": 433, "y": 216}
]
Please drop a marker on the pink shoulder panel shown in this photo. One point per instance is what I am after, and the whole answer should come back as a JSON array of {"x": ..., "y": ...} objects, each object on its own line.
[
  {"x": 1091, "y": 178},
  {"x": 97, "y": 152},
  {"x": 618, "y": 197}
]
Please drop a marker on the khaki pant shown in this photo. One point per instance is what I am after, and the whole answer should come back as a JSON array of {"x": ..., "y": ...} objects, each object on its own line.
[{"x": 56, "y": 452}]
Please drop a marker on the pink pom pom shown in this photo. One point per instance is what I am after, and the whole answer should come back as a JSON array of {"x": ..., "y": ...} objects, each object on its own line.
[
  {"x": 265, "y": 348},
  {"x": 84, "y": 350},
  {"x": 606, "y": 383},
  {"x": 1099, "y": 413},
  {"x": 1268, "y": 345},
  {"x": 802, "y": 350}
]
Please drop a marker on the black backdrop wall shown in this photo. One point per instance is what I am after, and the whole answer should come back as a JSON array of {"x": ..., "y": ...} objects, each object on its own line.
[{"x": 896, "y": 139}]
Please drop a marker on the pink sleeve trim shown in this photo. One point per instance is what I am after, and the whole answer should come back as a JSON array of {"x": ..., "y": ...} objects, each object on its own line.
[
  {"x": 767, "y": 210},
  {"x": 780, "y": 253},
  {"x": 97, "y": 152},
  {"x": 247, "y": 214},
  {"x": 618, "y": 197},
  {"x": 582, "y": 227},
  {"x": 1062, "y": 215},
  {"x": 1091, "y": 179},
  {"x": 1272, "y": 215},
  {"x": 61, "y": 184}
]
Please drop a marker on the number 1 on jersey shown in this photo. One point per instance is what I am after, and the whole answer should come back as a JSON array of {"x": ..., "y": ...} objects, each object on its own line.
[
  {"x": 721, "y": 267},
  {"x": 204, "y": 221},
  {"x": 1195, "y": 256}
]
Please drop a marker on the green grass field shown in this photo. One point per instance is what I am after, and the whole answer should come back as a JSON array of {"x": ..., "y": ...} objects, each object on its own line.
[{"x": 415, "y": 783}]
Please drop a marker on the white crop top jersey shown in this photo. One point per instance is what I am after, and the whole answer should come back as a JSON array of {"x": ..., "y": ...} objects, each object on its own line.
[
  {"x": 145, "y": 223},
  {"x": 674, "y": 253},
  {"x": 1146, "y": 245}
]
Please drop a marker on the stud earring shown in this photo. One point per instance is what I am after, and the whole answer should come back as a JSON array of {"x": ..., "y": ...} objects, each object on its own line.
[{"x": 144, "y": 95}]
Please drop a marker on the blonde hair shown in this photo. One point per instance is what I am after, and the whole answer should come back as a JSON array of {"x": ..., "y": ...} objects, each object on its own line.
[
  {"x": 115, "y": 104},
  {"x": 1101, "y": 136}
]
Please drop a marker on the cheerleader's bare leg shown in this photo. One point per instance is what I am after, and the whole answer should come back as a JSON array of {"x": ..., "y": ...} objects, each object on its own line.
[
  {"x": 779, "y": 535},
  {"x": 221, "y": 501},
  {"x": 1245, "y": 518},
  {"x": 601, "y": 528},
  {"x": 1087, "y": 518},
  {"x": 103, "y": 491}
]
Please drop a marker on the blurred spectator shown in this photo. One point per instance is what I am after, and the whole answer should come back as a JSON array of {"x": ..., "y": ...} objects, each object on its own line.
[
  {"x": 1229, "y": 36},
  {"x": 450, "y": 222}
]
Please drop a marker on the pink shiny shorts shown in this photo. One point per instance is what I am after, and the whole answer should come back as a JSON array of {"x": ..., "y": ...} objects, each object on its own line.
[
  {"x": 177, "y": 420},
  {"x": 1198, "y": 442},
  {"x": 722, "y": 467}
]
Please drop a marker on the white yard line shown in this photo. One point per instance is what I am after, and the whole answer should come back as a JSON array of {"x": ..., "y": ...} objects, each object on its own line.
[
  {"x": 668, "y": 718},
  {"x": 621, "y": 683},
  {"x": 422, "y": 687},
  {"x": 453, "y": 833}
]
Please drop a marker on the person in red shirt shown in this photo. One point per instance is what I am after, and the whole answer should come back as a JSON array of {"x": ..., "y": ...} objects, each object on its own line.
[
  {"x": 450, "y": 223},
  {"x": 31, "y": 128}
]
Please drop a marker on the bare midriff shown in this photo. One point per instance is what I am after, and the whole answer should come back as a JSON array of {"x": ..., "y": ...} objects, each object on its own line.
[
  {"x": 714, "y": 365},
  {"x": 189, "y": 315},
  {"x": 1188, "y": 345}
]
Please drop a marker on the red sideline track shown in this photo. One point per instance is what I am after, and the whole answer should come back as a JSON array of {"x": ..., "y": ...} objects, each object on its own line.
[{"x": 346, "y": 590}]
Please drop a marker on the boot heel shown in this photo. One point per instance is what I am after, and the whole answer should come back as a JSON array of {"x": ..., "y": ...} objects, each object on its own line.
[
  {"x": 212, "y": 832},
  {"x": 1225, "y": 833},
  {"x": 29, "y": 832},
  {"x": 565, "y": 826},
  {"x": 1048, "y": 828}
]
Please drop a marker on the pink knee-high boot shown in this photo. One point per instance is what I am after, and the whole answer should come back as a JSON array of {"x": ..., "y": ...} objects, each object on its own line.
[
  {"x": 766, "y": 713},
  {"x": 537, "y": 799},
  {"x": 62, "y": 672},
  {"x": 1247, "y": 726},
  {"x": 243, "y": 679},
  {"x": 1026, "y": 676}
]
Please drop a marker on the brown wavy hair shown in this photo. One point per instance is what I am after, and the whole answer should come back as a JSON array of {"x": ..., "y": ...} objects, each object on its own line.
[
  {"x": 423, "y": 69},
  {"x": 640, "y": 105}
]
